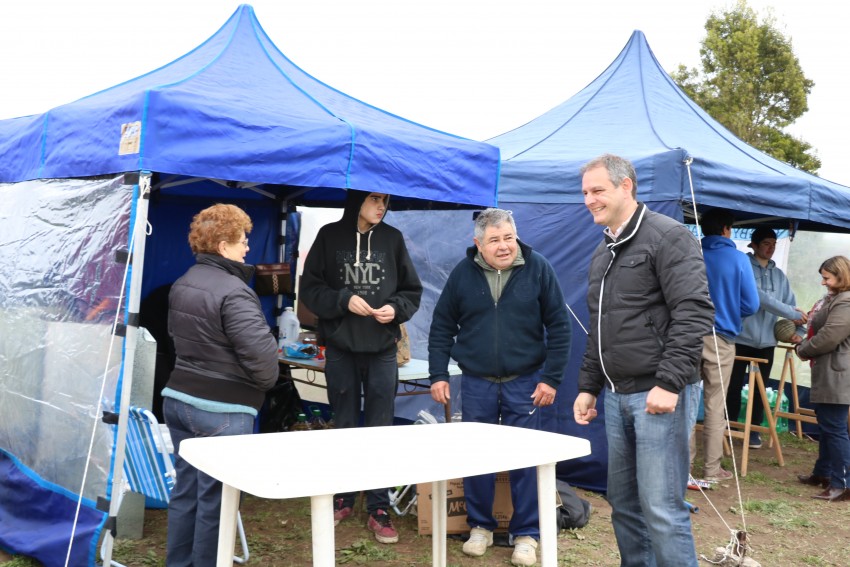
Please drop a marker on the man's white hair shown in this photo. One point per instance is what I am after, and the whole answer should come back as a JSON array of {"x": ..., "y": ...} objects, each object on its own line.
[{"x": 492, "y": 217}]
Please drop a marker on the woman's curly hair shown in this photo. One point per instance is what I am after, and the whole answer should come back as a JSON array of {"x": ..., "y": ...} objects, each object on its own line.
[{"x": 215, "y": 224}]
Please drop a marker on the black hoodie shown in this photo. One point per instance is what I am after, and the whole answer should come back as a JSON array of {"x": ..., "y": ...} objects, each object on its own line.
[{"x": 382, "y": 274}]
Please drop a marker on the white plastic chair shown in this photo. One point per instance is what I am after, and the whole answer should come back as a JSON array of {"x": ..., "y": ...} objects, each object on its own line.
[{"x": 149, "y": 469}]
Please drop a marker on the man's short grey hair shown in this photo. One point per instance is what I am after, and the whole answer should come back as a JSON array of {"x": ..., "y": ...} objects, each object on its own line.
[
  {"x": 492, "y": 217},
  {"x": 618, "y": 169}
]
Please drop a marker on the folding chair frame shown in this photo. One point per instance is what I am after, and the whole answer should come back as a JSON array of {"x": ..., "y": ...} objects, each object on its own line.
[{"x": 149, "y": 469}]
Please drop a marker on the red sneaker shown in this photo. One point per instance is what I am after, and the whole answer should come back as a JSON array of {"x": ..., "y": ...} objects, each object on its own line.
[
  {"x": 382, "y": 526},
  {"x": 341, "y": 511}
]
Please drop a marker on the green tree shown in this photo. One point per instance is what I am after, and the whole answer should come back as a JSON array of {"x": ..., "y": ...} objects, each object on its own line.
[{"x": 752, "y": 83}]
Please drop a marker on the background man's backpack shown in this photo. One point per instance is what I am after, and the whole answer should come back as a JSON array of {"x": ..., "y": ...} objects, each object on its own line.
[{"x": 573, "y": 511}]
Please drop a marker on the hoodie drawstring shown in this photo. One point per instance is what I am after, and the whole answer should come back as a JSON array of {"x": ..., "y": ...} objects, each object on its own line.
[
  {"x": 368, "y": 248},
  {"x": 357, "y": 250}
]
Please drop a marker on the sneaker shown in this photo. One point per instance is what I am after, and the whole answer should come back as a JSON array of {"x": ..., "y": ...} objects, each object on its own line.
[
  {"x": 382, "y": 526},
  {"x": 478, "y": 542},
  {"x": 525, "y": 551},
  {"x": 720, "y": 476},
  {"x": 755, "y": 441},
  {"x": 341, "y": 511}
]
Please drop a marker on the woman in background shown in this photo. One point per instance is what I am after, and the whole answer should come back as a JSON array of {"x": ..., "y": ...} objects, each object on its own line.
[
  {"x": 829, "y": 350},
  {"x": 226, "y": 359}
]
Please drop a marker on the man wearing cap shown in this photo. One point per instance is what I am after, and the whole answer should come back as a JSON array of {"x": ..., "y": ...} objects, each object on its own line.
[{"x": 756, "y": 339}]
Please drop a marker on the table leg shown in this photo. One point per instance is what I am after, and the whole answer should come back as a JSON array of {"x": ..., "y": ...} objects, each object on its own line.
[
  {"x": 546, "y": 490},
  {"x": 438, "y": 515},
  {"x": 322, "y": 513},
  {"x": 227, "y": 525}
]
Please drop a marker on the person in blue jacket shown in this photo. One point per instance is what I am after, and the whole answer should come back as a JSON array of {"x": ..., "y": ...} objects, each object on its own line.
[
  {"x": 756, "y": 339},
  {"x": 502, "y": 317},
  {"x": 735, "y": 296}
]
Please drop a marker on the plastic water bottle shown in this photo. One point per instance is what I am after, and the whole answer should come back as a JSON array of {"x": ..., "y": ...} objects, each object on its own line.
[
  {"x": 302, "y": 424},
  {"x": 290, "y": 328},
  {"x": 317, "y": 421}
]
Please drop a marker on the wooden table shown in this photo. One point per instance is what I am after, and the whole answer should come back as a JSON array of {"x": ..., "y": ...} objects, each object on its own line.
[{"x": 322, "y": 463}]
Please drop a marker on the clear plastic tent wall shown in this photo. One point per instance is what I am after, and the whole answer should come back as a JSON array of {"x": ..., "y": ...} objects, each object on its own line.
[{"x": 60, "y": 285}]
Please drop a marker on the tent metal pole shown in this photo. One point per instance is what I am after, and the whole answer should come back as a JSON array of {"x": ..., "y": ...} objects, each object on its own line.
[
  {"x": 139, "y": 236},
  {"x": 281, "y": 255}
]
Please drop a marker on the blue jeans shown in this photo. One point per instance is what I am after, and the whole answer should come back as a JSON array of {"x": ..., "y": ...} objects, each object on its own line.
[
  {"x": 647, "y": 479},
  {"x": 692, "y": 391},
  {"x": 376, "y": 376},
  {"x": 508, "y": 403},
  {"x": 195, "y": 504},
  {"x": 834, "y": 445}
]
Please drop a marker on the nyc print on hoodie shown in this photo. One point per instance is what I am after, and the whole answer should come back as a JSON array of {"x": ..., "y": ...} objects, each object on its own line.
[{"x": 374, "y": 265}]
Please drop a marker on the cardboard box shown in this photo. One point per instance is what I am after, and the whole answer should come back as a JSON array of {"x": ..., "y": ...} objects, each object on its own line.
[{"x": 456, "y": 506}]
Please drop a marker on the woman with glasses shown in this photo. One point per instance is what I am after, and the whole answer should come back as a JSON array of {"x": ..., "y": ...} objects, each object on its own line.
[{"x": 226, "y": 359}]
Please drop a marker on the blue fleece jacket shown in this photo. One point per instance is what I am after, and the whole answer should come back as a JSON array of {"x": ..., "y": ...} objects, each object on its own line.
[
  {"x": 528, "y": 328},
  {"x": 730, "y": 283}
]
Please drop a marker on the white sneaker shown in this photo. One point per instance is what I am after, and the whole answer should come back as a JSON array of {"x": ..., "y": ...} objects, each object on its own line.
[
  {"x": 525, "y": 551},
  {"x": 478, "y": 542}
]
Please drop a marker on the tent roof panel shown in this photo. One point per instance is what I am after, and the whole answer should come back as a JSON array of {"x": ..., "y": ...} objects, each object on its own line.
[
  {"x": 236, "y": 108},
  {"x": 635, "y": 109}
]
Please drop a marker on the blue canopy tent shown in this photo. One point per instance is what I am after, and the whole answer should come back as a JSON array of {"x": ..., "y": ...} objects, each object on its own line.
[
  {"x": 635, "y": 110},
  {"x": 236, "y": 109},
  {"x": 233, "y": 120}
]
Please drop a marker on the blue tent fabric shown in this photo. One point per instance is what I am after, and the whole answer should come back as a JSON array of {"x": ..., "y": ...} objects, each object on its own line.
[
  {"x": 233, "y": 120},
  {"x": 235, "y": 108},
  {"x": 634, "y": 109},
  {"x": 27, "y": 503}
]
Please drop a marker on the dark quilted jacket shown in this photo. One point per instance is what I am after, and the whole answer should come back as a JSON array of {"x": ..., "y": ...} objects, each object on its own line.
[
  {"x": 225, "y": 349},
  {"x": 649, "y": 308}
]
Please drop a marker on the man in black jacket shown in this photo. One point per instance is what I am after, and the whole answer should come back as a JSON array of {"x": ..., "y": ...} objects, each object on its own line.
[
  {"x": 360, "y": 282},
  {"x": 649, "y": 311},
  {"x": 502, "y": 317}
]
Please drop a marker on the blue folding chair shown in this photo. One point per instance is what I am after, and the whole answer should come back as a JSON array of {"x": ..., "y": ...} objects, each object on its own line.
[{"x": 149, "y": 469}]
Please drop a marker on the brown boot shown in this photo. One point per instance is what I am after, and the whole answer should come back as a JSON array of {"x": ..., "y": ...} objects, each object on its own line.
[
  {"x": 834, "y": 494},
  {"x": 813, "y": 480}
]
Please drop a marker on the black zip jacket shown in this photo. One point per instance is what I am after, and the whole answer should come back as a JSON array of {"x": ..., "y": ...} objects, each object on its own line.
[{"x": 649, "y": 308}]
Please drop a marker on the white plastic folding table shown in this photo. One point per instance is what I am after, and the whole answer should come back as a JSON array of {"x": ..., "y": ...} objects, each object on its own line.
[{"x": 272, "y": 465}]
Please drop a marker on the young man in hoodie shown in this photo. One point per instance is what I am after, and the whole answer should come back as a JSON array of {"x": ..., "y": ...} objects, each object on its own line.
[
  {"x": 735, "y": 296},
  {"x": 756, "y": 339},
  {"x": 502, "y": 317},
  {"x": 360, "y": 282}
]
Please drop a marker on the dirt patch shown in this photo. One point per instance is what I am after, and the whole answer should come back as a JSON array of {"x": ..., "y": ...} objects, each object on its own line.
[{"x": 785, "y": 525}]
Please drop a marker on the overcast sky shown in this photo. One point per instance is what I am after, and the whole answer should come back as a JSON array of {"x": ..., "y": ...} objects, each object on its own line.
[{"x": 475, "y": 68}]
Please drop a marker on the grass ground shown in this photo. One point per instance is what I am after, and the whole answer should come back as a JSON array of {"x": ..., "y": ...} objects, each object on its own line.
[{"x": 785, "y": 525}]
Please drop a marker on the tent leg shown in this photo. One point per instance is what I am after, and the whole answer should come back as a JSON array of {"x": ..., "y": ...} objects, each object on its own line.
[{"x": 137, "y": 244}]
